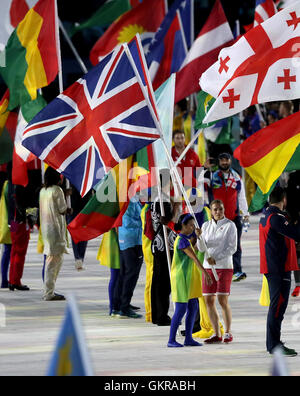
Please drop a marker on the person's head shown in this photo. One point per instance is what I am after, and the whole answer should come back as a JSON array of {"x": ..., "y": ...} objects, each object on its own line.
[
  {"x": 272, "y": 117},
  {"x": 217, "y": 210},
  {"x": 179, "y": 139},
  {"x": 52, "y": 178},
  {"x": 186, "y": 224},
  {"x": 278, "y": 197},
  {"x": 225, "y": 161},
  {"x": 286, "y": 108}
]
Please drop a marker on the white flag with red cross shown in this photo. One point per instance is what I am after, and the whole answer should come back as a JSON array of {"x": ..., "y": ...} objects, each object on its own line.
[{"x": 263, "y": 66}]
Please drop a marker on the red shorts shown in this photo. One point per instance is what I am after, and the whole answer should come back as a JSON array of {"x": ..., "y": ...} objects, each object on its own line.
[{"x": 223, "y": 286}]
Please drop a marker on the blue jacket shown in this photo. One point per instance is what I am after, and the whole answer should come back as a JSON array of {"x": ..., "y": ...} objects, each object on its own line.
[{"x": 130, "y": 234}]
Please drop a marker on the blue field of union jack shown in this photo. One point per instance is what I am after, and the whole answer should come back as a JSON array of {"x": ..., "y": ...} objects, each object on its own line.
[{"x": 100, "y": 120}]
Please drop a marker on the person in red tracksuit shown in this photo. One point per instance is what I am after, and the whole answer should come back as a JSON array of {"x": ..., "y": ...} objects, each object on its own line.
[
  {"x": 189, "y": 164},
  {"x": 278, "y": 258}
]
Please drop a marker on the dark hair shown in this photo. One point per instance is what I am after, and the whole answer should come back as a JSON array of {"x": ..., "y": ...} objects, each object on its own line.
[
  {"x": 52, "y": 177},
  {"x": 178, "y": 132},
  {"x": 277, "y": 195},
  {"x": 183, "y": 219}
]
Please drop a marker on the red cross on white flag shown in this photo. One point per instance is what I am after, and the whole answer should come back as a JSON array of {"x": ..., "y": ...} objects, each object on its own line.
[{"x": 263, "y": 66}]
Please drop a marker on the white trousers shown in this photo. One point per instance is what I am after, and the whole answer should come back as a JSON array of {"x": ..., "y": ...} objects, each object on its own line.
[{"x": 53, "y": 266}]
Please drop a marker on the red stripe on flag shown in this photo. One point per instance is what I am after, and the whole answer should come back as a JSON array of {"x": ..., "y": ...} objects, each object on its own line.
[
  {"x": 18, "y": 10},
  {"x": 47, "y": 38},
  {"x": 264, "y": 141}
]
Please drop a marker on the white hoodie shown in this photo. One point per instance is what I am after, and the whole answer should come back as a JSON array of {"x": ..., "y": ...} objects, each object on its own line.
[{"x": 221, "y": 240}]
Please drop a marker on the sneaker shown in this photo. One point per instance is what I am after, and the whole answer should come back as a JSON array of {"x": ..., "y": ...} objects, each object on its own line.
[
  {"x": 114, "y": 314},
  {"x": 287, "y": 352},
  {"x": 238, "y": 276},
  {"x": 296, "y": 292},
  {"x": 79, "y": 265},
  {"x": 129, "y": 314},
  {"x": 228, "y": 338},
  {"x": 214, "y": 340},
  {"x": 56, "y": 297}
]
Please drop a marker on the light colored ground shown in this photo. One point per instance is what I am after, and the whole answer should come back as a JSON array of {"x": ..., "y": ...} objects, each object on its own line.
[{"x": 133, "y": 347}]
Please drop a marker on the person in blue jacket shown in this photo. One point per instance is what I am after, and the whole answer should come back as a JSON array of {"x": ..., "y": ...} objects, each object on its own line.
[
  {"x": 131, "y": 255},
  {"x": 278, "y": 258}
]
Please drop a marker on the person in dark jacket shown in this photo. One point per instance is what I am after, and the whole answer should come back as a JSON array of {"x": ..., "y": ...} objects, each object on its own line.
[
  {"x": 293, "y": 209},
  {"x": 277, "y": 259}
]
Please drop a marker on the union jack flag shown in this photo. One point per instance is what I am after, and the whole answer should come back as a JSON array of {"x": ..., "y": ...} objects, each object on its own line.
[
  {"x": 263, "y": 66},
  {"x": 264, "y": 10},
  {"x": 100, "y": 120}
]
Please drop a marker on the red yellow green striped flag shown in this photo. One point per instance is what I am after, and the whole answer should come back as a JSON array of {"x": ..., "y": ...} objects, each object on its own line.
[
  {"x": 266, "y": 154},
  {"x": 8, "y": 125},
  {"x": 31, "y": 54},
  {"x": 106, "y": 208}
]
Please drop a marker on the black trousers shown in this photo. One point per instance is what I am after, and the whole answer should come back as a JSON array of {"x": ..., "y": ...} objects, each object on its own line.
[
  {"x": 280, "y": 287},
  {"x": 161, "y": 288},
  {"x": 130, "y": 267},
  {"x": 237, "y": 257}
]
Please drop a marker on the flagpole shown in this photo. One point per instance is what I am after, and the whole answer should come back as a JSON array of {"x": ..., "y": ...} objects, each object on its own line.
[
  {"x": 170, "y": 159},
  {"x": 60, "y": 78},
  {"x": 188, "y": 147},
  {"x": 73, "y": 49}
]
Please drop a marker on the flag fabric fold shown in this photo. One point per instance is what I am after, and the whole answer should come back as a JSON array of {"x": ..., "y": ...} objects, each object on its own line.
[
  {"x": 8, "y": 126},
  {"x": 12, "y": 13},
  {"x": 168, "y": 50},
  {"x": 263, "y": 66},
  {"x": 31, "y": 54},
  {"x": 71, "y": 357},
  {"x": 137, "y": 20},
  {"x": 215, "y": 35},
  {"x": 108, "y": 13},
  {"x": 96, "y": 123},
  {"x": 266, "y": 154},
  {"x": 264, "y": 10}
]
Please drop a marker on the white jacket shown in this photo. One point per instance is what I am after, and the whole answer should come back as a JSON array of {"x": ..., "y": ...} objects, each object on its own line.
[{"x": 221, "y": 240}]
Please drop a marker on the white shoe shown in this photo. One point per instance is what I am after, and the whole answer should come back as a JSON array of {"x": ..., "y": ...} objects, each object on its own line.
[{"x": 79, "y": 265}]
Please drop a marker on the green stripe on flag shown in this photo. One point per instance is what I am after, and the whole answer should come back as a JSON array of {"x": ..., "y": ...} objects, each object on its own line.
[
  {"x": 15, "y": 71},
  {"x": 105, "y": 15}
]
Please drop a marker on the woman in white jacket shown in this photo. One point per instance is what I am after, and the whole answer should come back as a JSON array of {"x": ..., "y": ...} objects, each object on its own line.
[{"x": 218, "y": 238}]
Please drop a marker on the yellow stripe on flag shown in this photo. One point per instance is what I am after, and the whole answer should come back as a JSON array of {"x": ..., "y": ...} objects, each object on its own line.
[
  {"x": 3, "y": 115},
  {"x": 269, "y": 168},
  {"x": 28, "y": 33}
]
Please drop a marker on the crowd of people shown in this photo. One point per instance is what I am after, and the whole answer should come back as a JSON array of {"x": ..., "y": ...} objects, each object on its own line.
[{"x": 191, "y": 257}]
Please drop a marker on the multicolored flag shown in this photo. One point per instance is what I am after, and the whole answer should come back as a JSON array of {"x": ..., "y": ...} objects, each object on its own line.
[
  {"x": 264, "y": 10},
  {"x": 168, "y": 49},
  {"x": 215, "y": 35},
  {"x": 106, "y": 208},
  {"x": 259, "y": 200},
  {"x": 100, "y": 120},
  {"x": 220, "y": 132},
  {"x": 138, "y": 20},
  {"x": 240, "y": 78},
  {"x": 266, "y": 154},
  {"x": 71, "y": 357},
  {"x": 108, "y": 13},
  {"x": 8, "y": 125},
  {"x": 12, "y": 13},
  {"x": 31, "y": 54}
]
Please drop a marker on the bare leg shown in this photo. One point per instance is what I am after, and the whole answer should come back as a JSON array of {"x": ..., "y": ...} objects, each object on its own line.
[
  {"x": 213, "y": 314},
  {"x": 227, "y": 315}
]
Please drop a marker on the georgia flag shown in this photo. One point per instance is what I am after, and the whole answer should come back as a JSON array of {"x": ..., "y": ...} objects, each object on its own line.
[{"x": 263, "y": 66}]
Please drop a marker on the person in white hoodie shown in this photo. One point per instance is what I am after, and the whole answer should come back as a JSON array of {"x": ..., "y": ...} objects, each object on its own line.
[{"x": 218, "y": 238}]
